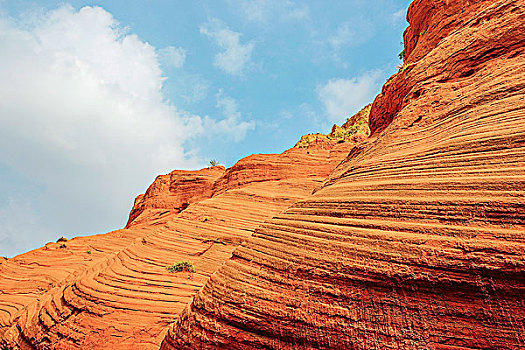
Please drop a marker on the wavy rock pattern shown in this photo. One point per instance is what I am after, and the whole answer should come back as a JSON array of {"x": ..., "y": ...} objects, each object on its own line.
[
  {"x": 416, "y": 241},
  {"x": 28, "y": 276},
  {"x": 175, "y": 191},
  {"x": 120, "y": 294}
]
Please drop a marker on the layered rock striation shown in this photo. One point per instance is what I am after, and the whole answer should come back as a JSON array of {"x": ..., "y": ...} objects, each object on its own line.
[
  {"x": 412, "y": 238},
  {"x": 114, "y": 291},
  {"x": 175, "y": 191},
  {"x": 417, "y": 240}
]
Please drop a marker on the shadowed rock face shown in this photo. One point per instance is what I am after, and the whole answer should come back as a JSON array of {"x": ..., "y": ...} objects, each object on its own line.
[{"x": 417, "y": 240}]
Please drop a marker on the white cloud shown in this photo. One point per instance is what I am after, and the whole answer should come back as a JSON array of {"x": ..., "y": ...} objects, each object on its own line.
[
  {"x": 235, "y": 56},
  {"x": 348, "y": 34},
  {"x": 264, "y": 10},
  {"x": 344, "y": 35},
  {"x": 196, "y": 89},
  {"x": 173, "y": 56},
  {"x": 83, "y": 117},
  {"x": 296, "y": 12},
  {"x": 344, "y": 97},
  {"x": 233, "y": 124},
  {"x": 255, "y": 10}
]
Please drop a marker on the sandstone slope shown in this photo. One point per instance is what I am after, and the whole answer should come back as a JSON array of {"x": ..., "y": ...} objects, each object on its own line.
[
  {"x": 113, "y": 291},
  {"x": 417, "y": 240}
]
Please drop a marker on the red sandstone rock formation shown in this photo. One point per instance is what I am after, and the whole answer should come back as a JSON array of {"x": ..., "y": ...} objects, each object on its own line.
[
  {"x": 175, "y": 191},
  {"x": 416, "y": 241},
  {"x": 113, "y": 291}
]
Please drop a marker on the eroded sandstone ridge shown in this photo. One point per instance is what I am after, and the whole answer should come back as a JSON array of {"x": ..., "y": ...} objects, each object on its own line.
[
  {"x": 414, "y": 237},
  {"x": 113, "y": 291},
  {"x": 416, "y": 241}
]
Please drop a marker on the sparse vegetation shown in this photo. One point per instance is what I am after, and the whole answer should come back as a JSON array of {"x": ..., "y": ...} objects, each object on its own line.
[
  {"x": 215, "y": 241},
  {"x": 204, "y": 219},
  {"x": 89, "y": 252},
  {"x": 181, "y": 266},
  {"x": 402, "y": 55},
  {"x": 306, "y": 140},
  {"x": 402, "y": 67},
  {"x": 63, "y": 246},
  {"x": 62, "y": 239},
  {"x": 356, "y": 125},
  {"x": 214, "y": 162}
]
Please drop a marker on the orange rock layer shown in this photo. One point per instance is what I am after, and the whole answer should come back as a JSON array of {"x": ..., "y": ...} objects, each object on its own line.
[
  {"x": 416, "y": 241},
  {"x": 176, "y": 191},
  {"x": 114, "y": 291}
]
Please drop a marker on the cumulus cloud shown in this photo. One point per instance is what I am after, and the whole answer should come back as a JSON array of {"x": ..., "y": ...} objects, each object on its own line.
[
  {"x": 344, "y": 97},
  {"x": 84, "y": 119},
  {"x": 173, "y": 56},
  {"x": 235, "y": 56},
  {"x": 233, "y": 124},
  {"x": 264, "y": 10}
]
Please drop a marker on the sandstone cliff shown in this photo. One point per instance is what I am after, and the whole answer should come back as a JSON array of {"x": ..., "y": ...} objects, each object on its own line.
[
  {"x": 413, "y": 238},
  {"x": 114, "y": 291},
  {"x": 416, "y": 241}
]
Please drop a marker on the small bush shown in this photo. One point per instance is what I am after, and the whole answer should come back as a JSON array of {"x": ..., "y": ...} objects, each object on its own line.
[
  {"x": 63, "y": 246},
  {"x": 402, "y": 55},
  {"x": 181, "y": 266},
  {"x": 62, "y": 239},
  {"x": 214, "y": 162},
  {"x": 89, "y": 252},
  {"x": 403, "y": 67},
  {"x": 215, "y": 241},
  {"x": 204, "y": 219}
]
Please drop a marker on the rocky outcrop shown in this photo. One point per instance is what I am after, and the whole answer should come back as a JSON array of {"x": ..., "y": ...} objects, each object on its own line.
[
  {"x": 448, "y": 41},
  {"x": 417, "y": 240},
  {"x": 354, "y": 129},
  {"x": 114, "y": 291},
  {"x": 175, "y": 191}
]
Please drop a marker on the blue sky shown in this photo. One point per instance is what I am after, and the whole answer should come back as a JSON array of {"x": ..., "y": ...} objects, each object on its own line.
[{"x": 97, "y": 98}]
